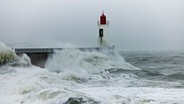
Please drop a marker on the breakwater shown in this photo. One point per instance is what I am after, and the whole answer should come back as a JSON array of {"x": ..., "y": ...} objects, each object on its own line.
[{"x": 39, "y": 56}]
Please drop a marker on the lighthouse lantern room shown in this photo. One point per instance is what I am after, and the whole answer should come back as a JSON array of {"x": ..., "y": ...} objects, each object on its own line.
[{"x": 103, "y": 31}]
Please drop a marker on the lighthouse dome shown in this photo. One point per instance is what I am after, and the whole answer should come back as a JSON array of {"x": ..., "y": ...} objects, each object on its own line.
[{"x": 102, "y": 19}]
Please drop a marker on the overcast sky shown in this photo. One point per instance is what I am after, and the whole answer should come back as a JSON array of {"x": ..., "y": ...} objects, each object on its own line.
[{"x": 134, "y": 24}]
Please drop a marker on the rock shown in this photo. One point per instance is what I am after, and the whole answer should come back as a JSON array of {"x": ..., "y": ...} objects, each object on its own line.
[{"x": 74, "y": 101}]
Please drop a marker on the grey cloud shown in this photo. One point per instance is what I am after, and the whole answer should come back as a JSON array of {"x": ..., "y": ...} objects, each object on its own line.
[{"x": 134, "y": 24}]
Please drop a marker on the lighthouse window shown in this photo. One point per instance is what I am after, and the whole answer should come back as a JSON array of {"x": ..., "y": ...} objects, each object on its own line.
[{"x": 101, "y": 32}]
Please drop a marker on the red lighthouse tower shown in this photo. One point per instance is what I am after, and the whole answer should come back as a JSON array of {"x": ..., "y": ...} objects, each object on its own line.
[
  {"x": 103, "y": 25},
  {"x": 103, "y": 19}
]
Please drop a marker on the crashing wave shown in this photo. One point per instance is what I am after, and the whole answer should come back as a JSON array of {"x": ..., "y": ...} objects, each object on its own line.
[
  {"x": 22, "y": 60},
  {"x": 8, "y": 56},
  {"x": 83, "y": 66},
  {"x": 85, "y": 61}
]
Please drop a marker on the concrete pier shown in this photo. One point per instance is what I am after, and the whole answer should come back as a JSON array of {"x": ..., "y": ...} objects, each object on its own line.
[{"x": 39, "y": 56}]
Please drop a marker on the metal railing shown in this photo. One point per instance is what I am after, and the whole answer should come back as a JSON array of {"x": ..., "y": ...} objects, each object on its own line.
[
  {"x": 48, "y": 50},
  {"x": 34, "y": 50}
]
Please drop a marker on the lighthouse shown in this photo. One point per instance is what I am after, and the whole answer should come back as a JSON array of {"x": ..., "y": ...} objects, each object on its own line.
[{"x": 103, "y": 25}]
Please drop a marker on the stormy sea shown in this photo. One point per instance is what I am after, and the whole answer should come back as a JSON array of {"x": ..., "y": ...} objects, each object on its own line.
[{"x": 72, "y": 76}]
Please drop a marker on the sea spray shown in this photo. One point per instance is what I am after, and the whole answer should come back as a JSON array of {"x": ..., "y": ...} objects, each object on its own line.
[
  {"x": 117, "y": 82},
  {"x": 90, "y": 61},
  {"x": 21, "y": 60},
  {"x": 85, "y": 66},
  {"x": 8, "y": 56}
]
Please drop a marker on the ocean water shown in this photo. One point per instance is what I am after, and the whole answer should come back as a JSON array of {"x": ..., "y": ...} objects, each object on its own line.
[{"x": 106, "y": 77}]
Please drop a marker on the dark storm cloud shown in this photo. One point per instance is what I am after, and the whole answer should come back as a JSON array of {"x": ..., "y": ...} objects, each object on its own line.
[{"x": 134, "y": 24}]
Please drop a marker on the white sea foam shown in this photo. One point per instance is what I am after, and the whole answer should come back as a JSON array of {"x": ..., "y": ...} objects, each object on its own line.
[
  {"x": 92, "y": 62},
  {"x": 84, "y": 65},
  {"x": 38, "y": 86},
  {"x": 81, "y": 75},
  {"x": 6, "y": 54},
  {"x": 22, "y": 60},
  {"x": 139, "y": 95}
]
